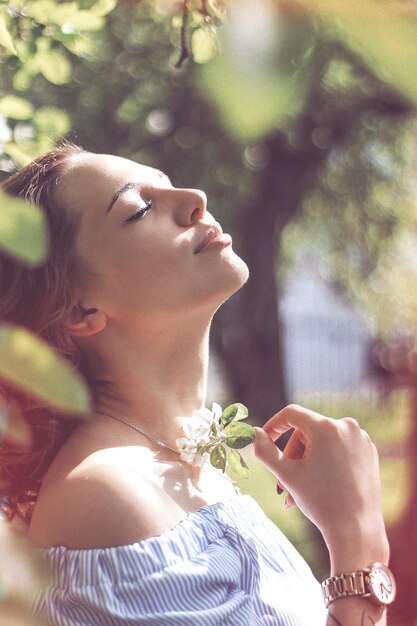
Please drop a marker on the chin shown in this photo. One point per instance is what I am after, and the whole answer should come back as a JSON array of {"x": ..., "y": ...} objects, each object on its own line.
[
  {"x": 241, "y": 271},
  {"x": 233, "y": 277}
]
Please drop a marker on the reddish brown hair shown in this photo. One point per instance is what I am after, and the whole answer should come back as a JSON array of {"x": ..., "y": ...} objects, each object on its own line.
[{"x": 40, "y": 300}]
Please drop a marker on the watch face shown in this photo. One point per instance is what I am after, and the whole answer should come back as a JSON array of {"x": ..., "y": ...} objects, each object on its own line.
[{"x": 382, "y": 583}]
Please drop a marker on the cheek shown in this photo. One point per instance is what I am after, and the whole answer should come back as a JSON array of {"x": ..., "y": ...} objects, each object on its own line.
[{"x": 152, "y": 274}]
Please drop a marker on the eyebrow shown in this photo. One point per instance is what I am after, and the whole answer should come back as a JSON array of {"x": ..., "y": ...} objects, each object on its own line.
[
  {"x": 130, "y": 185},
  {"x": 119, "y": 193}
]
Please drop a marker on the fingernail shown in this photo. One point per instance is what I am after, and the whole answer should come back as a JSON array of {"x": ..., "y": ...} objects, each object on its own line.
[
  {"x": 280, "y": 490},
  {"x": 286, "y": 505}
]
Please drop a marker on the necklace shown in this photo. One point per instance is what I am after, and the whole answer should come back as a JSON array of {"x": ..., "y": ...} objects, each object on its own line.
[
  {"x": 161, "y": 444},
  {"x": 139, "y": 430}
]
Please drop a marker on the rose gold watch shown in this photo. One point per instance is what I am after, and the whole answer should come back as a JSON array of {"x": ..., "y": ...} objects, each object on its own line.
[{"x": 376, "y": 583}]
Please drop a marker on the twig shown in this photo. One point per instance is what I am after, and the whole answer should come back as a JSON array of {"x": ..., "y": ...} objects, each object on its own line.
[
  {"x": 185, "y": 52},
  {"x": 204, "y": 10}
]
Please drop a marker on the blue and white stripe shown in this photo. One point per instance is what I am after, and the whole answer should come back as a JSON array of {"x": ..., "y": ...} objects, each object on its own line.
[{"x": 225, "y": 564}]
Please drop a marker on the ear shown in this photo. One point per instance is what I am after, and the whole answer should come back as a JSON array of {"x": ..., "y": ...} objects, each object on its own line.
[{"x": 86, "y": 322}]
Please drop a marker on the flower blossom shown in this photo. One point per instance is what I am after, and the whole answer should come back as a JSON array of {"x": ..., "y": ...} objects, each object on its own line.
[{"x": 201, "y": 431}]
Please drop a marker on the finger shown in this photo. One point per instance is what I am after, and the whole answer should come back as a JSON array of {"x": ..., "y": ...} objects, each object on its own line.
[
  {"x": 279, "y": 488},
  {"x": 273, "y": 459},
  {"x": 296, "y": 445},
  {"x": 266, "y": 450},
  {"x": 289, "y": 502},
  {"x": 292, "y": 416}
]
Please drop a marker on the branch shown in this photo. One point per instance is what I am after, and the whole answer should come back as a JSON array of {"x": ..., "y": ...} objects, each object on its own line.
[{"x": 185, "y": 52}]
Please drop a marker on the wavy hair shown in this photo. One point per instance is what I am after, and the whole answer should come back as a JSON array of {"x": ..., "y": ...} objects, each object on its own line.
[{"x": 40, "y": 300}]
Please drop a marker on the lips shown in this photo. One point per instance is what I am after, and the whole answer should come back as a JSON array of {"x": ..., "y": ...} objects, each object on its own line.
[{"x": 214, "y": 231}]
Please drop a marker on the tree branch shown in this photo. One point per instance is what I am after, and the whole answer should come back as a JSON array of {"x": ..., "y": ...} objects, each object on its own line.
[{"x": 185, "y": 51}]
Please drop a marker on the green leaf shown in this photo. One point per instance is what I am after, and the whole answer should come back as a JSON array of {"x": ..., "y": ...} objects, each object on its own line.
[
  {"x": 23, "y": 230},
  {"x": 384, "y": 34},
  {"x": 55, "y": 66},
  {"x": 15, "y": 108},
  {"x": 22, "y": 155},
  {"x": 22, "y": 80},
  {"x": 203, "y": 45},
  {"x": 237, "y": 464},
  {"x": 229, "y": 414},
  {"x": 42, "y": 11},
  {"x": 103, "y": 7},
  {"x": 239, "y": 434},
  {"x": 5, "y": 38},
  {"x": 32, "y": 365},
  {"x": 86, "y": 4},
  {"x": 250, "y": 108},
  {"x": 52, "y": 121},
  {"x": 23, "y": 574},
  {"x": 235, "y": 412},
  {"x": 260, "y": 88},
  {"x": 85, "y": 21},
  {"x": 218, "y": 457}
]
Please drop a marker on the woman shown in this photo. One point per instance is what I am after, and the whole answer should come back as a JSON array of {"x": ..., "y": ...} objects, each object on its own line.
[{"x": 134, "y": 534}]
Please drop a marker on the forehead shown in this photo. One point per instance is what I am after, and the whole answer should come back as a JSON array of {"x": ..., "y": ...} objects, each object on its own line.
[{"x": 96, "y": 178}]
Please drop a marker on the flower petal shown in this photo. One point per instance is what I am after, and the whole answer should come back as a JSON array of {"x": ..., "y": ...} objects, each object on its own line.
[
  {"x": 216, "y": 410},
  {"x": 203, "y": 415}
]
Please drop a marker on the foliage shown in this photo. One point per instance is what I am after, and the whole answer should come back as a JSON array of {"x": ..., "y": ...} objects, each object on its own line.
[
  {"x": 33, "y": 367},
  {"x": 382, "y": 34},
  {"x": 40, "y": 38},
  {"x": 330, "y": 80},
  {"x": 216, "y": 435},
  {"x": 22, "y": 575},
  {"x": 22, "y": 230},
  {"x": 261, "y": 80},
  {"x": 361, "y": 217},
  {"x": 32, "y": 36}
]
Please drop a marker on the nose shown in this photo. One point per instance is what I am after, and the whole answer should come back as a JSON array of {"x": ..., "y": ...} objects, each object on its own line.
[{"x": 191, "y": 207}]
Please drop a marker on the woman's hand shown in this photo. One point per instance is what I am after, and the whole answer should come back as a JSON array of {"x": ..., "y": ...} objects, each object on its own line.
[{"x": 330, "y": 469}]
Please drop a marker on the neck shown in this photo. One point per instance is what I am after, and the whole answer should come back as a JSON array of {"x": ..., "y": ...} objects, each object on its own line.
[{"x": 155, "y": 381}]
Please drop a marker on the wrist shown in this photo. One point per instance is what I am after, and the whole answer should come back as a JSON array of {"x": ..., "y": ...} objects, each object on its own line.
[
  {"x": 375, "y": 583},
  {"x": 356, "y": 546}
]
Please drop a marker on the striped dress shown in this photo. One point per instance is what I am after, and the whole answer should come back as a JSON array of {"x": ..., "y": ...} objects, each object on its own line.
[{"x": 224, "y": 564}]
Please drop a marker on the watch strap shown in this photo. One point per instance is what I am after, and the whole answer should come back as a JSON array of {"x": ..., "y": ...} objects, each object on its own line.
[{"x": 344, "y": 585}]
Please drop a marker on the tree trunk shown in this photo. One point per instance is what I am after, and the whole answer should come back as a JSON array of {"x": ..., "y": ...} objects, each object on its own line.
[
  {"x": 247, "y": 331},
  {"x": 403, "y": 538}
]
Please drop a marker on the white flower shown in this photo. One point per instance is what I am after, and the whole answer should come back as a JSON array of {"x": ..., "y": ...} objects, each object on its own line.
[
  {"x": 217, "y": 411},
  {"x": 198, "y": 432},
  {"x": 199, "y": 425},
  {"x": 187, "y": 448},
  {"x": 206, "y": 437}
]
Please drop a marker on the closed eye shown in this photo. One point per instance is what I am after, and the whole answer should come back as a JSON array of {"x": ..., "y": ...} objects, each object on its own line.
[{"x": 140, "y": 212}]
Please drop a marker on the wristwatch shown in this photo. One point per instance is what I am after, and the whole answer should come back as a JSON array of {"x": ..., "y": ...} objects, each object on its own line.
[{"x": 376, "y": 583}]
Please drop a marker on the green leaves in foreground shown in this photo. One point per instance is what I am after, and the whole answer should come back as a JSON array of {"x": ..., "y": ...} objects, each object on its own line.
[
  {"x": 234, "y": 435},
  {"x": 239, "y": 435},
  {"x": 32, "y": 366},
  {"x": 23, "y": 574},
  {"x": 218, "y": 457},
  {"x": 23, "y": 233},
  {"x": 234, "y": 412}
]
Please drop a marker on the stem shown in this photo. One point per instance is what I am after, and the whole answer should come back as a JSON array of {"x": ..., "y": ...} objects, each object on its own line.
[
  {"x": 185, "y": 52},
  {"x": 204, "y": 10}
]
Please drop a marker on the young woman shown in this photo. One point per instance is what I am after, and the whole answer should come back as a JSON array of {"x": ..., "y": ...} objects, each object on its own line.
[{"x": 134, "y": 534}]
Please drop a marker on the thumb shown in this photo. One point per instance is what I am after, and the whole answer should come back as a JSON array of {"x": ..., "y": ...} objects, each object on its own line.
[{"x": 270, "y": 456}]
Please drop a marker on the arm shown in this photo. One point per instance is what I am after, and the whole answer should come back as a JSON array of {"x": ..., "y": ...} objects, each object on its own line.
[
  {"x": 355, "y": 612},
  {"x": 330, "y": 469}
]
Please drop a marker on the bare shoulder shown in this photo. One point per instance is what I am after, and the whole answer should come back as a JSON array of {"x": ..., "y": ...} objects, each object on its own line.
[{"x": 101, "y": 502}]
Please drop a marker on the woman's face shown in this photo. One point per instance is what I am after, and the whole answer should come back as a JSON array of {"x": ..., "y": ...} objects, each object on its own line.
[{"x": 141, "y": 240}]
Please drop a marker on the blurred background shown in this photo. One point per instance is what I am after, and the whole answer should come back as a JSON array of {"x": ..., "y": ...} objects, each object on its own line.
[{"x": 298, "y": 120}]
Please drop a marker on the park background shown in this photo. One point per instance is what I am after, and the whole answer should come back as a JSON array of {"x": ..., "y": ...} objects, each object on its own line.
[{"x": 298, "y": 120}]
